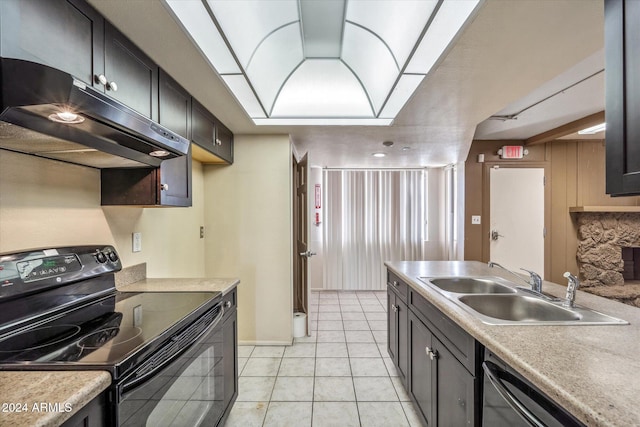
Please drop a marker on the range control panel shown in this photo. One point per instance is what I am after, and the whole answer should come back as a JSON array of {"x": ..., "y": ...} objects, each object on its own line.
[{"x": 39, "y": 269}]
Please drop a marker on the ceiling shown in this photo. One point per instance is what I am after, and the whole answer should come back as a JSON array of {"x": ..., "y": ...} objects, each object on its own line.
[{"x": 509, "y": 49}]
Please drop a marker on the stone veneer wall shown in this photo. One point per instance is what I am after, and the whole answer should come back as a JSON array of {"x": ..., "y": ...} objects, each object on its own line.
[{"x": 601, "y": 237}]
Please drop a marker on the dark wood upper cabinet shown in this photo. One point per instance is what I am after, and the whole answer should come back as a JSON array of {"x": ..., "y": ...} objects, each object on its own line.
[
  {"x": 213, "y": 141},
  {"x": 622, "y": 62},
  {"x": 63, "y": 34},
  {"x": 170, "y": 184},
  {"x": 131, "y": 76},
  {"x": 175, "y": 114}
]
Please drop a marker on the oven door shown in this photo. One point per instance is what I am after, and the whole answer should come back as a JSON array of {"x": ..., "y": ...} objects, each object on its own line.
[{"x": 182, "y": 384}]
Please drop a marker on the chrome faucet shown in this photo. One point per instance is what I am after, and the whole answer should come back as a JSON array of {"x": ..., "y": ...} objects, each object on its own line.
[
  {"x": 535, "y": 281},
  {"x": 572, "y": 286}
]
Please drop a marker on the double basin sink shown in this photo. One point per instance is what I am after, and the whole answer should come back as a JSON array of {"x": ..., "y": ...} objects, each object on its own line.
[{"x": 496, "y": 301}]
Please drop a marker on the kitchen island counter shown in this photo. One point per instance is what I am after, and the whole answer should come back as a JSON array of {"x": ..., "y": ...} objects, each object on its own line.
[{"x": 592, "y": 371}]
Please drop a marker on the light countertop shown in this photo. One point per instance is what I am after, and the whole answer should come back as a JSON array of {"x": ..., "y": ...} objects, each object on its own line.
[
  {"x": 39, "y": 399},
  {"x": 592, "y": 371}
]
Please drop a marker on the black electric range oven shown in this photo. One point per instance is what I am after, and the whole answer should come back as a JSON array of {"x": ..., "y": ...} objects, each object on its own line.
[{"x": 59, "y": 310}]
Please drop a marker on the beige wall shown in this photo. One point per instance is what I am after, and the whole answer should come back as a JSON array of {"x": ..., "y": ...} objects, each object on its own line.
[
  {"x": 248, "y": 221},
  {"x": 575, "y": 177},
  {"x": 49, "y": 203}
]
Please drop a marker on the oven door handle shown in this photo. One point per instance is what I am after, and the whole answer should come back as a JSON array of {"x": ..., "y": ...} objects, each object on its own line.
[
  {"x": 494, "y": 374},
  {"x": 127, "y": 386}
]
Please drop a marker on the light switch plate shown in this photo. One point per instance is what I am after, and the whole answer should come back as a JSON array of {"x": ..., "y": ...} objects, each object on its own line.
[
  {"x": 475, "y": 219},
  {"x": 136, "y": 242}
]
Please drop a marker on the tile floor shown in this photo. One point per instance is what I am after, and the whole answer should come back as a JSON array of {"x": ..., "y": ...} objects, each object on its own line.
[{"x": 340, "y": 376}]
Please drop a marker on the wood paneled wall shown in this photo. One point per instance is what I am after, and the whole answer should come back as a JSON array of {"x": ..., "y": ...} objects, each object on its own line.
[{"x": 575, "y": 177}]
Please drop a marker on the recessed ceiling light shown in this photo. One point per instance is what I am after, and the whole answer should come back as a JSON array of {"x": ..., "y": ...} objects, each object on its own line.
[
  {"x": 378, "y": 154},
  {"x": 388, "y": 143},
  {"x": 593, "y": 129},
  {"x": 406, "y": 148}
]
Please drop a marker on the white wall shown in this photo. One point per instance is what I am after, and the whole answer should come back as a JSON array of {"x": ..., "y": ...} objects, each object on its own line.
[
  {"x": 248, "y": 218},
  {"x": 45, "y": 203}
]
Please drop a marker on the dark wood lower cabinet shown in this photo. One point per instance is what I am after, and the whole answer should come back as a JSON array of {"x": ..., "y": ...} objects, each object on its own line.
[
  {"x": 93, "y": 414},
  {"x": 441, "y": 363},
  {"x": 397, "y": 315},
  {"x": 423, "y": 371}
]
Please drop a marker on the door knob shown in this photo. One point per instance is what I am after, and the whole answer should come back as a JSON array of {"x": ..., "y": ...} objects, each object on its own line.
[
  {"x": 307, "y": 254},
  {"x": 495, "y": 235}
]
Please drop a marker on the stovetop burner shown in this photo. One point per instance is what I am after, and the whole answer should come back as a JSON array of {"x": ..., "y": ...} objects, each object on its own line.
[
  {"x": 39, "y": 338},
  {"x": 110, "y": 335}
]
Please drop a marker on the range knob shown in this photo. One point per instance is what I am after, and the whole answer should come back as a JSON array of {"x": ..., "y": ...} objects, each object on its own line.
[
  {"x": 101, "y": 257},
  {"x": 113, "y": 257}
]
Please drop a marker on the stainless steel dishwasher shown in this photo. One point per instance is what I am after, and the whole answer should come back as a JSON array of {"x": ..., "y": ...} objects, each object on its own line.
[{"x": 510, "y": 400}]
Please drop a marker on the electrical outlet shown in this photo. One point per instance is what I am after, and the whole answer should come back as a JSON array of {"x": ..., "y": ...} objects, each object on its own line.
[
  {"x": 136, "y": 242},
  {"x": 475, "y": 219},
  {"x": 202, "y": 231}
]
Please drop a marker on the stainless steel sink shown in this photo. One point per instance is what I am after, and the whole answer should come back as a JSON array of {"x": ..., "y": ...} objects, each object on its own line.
[
  {"x": 528, "y": 310},
  {"x": 469, "y": 285}
]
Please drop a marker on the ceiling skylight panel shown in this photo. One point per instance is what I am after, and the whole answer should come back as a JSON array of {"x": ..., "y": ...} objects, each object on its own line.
[
  {"x": 371, "y": 61},
  {"x": 247, "y": 23},
  {"x": 405, "y": 87},
  {"x": 243, "y": 93},
  {"x": 196, "y": 22},
  {"x": 398, "y": 23},
  {"x": 274, "y": 61},
  {"x": 447, "y": 23},
  {"x": 322, "y": 88}
]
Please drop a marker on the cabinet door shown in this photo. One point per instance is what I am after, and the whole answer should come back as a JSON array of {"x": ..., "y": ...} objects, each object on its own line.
[
  {"x": 622, "y": 60},
  {"x": 403, "y": 344},
  {"x": 175, "y": 181},
  {"x": 224, "y": 142},
  {"x": 202, "y": 127},
  {"x": 174, "y": 112},
  {"x": 455, "y": 385},
  {"x": 132, "y": 77},
  {"x": 63, "y": 34},
  {"x": 422, "y": 370},
  {"x": 392, "y": 327}
]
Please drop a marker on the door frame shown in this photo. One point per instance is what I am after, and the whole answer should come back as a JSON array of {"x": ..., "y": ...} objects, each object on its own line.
[
  {"x": 300, "y": 236},
  {"x": 486, "y": 207}
]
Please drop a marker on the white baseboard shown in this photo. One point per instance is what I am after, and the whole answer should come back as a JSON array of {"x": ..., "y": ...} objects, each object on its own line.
[{"x": 262, "y": 342}]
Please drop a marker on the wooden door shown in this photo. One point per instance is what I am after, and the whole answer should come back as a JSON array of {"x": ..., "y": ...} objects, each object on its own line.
[{"x": 301, "y": 253}]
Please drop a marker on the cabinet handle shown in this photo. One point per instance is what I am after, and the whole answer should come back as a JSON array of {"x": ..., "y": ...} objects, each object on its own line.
[
  {"x": 395, "y": 283},
  {"x": 218, "y": 142},
  {"x": 112, "y": 86},
  {"x": 102, "y": 79},
  {"x": 227, "y": 304},
  {"x": 164, "y": 187},
  {"x": 433, "y": 354},
  {"x": 394, "y": 307}
]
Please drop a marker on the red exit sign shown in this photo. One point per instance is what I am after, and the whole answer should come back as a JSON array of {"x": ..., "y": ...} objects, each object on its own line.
[{"x": 511, "y": 152}]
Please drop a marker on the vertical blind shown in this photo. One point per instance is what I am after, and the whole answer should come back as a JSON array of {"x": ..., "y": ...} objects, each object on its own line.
[{"x": 371, "y": 216}]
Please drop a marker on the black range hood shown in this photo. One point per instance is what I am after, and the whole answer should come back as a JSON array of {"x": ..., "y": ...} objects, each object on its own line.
[{"x": 34, "y": 99}]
